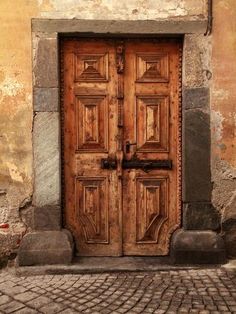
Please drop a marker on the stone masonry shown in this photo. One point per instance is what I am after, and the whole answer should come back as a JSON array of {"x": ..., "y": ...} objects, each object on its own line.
[{"x": 202, "y": 291}]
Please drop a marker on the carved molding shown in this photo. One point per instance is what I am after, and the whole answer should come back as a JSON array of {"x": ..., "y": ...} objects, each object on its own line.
[
  {"x": 152, "y": 67},
  {"x": 120, "y": 57},
  {"x": 91, "y": 123},
  {"x": 91, "y": 67},
  {"x": 92, "y": 208},
  {"x": 151, "y": 207},
  {"x": 152, "y": 123}
]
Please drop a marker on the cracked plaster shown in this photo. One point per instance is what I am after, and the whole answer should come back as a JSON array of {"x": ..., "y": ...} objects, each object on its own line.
[{"x": 16, "y": 89}]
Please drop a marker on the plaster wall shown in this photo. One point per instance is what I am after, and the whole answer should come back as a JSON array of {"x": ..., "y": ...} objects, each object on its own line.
[
  {"x": 16, "y": 169},
  {"x": 223, "y": 117}
]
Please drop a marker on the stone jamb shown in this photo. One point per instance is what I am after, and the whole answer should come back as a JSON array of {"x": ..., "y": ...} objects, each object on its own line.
[{"x": 196, "y": 179}]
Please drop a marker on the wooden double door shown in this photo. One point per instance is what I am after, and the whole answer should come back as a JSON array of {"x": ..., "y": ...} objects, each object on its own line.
[{"x": 121, "y": 142}]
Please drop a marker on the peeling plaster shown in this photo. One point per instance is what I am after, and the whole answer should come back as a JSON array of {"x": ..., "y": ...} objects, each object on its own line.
[
  {"x": 223, "y": 102},
  {"x": 10, "y": 87},
  {"x": 14, "y": 172},
  {"x": 229, "y": 211},
  {"x": 221, "y": 94},
  {"x": 224, "y": 183},
  {"x": 217, "y": 125},
  {"x": 133, "y": 9}
]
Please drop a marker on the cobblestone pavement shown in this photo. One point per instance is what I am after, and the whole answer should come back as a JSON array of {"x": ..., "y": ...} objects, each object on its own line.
[{"x": 175, "y": 291}]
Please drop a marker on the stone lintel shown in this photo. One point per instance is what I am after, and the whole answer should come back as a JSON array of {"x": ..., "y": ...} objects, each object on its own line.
[
  {"x": 197, "y": 247},
  {"x": 46, "y": 99},
  {"x": 46, "y": 248},
  {"x": 200, "y": 216},
  {"x": 168, "y": 26}
]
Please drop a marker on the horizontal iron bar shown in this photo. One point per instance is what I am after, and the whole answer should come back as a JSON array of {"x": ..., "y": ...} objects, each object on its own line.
[{"x": 148, "y": 164}]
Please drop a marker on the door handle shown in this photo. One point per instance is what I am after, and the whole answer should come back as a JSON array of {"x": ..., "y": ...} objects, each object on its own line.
[{"x": 127, "y": 146}]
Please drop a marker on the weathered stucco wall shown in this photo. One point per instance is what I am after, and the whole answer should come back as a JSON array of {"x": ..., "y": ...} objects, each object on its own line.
[
  {"x": 223, "y": 113},
  {"x": 16, "y": 92},
  {"x": 15, "y": 120}
]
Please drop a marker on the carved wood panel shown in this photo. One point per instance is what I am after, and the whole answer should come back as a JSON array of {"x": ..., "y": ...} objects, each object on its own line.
[
  {"x": 91, "y": 67},
  {"x": 117, "y": 92},
  {"x": 151, "y": 208},
  {"x": 152, "y": 123},
  {"x": 152, "y": 67},
  {"x": 92, "y": 208},
  {"x": 91, "y": 123}
]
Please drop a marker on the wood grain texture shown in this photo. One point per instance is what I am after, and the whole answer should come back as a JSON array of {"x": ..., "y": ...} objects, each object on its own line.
[
  {"x": 150, "y": 204},
  {"x": 90, "y": 130},
  {"x": 118, "y": 91}
]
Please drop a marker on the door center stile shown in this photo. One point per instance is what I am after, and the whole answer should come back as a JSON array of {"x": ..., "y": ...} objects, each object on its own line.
[{"x": 120, "y": 68}]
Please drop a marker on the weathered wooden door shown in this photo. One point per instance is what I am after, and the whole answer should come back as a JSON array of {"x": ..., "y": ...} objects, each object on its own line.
[{"x": 121, "y": 141}]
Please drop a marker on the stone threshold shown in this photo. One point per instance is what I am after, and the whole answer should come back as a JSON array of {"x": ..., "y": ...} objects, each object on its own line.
[{"x": 93, "y": 265}]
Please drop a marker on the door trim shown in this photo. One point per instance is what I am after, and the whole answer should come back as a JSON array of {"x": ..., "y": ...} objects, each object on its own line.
[{"x": 196, "y": 179}]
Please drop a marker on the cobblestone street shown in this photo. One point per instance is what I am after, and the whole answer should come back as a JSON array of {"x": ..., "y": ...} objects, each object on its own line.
[{"x": 175, "y": 291}]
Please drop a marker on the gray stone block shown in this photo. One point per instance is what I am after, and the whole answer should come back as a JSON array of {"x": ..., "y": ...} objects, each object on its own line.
[
  {"x": 196, "y": 157},
  {"x": 200, "y": 216},
  {"x": 197, "y": 247},
  {"x": 196, "y": 98},
  {"x": 46, "y": 247},
  {"x": 46, "y": 99},
  {"x": 3, "y": 261},
  {"x": 229, "y": 214},
  {"x": 229, "y": 236},
  {"x": 196, "y": 60},
  {"x": 47, "y": 218},
  {"x": 46, "y": 139},
  {"x": 46, "y": 63},
  {"x": 119, "y": 26}
]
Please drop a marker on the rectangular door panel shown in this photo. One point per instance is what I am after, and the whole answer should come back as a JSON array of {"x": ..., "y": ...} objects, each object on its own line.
[
  {"x": 151, "y": 208},
  {"x": 92, "y": 209},
  {"x": 152, "y": 125},
  {"x": 92, "y": 123}
]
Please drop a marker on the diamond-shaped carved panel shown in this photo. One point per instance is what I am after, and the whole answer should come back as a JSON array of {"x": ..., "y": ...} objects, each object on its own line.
[
  {"x": 152, "y": 68},
  {"x": 91, "y": 67},
  {"x": 152, "y": 123},
  {"x": 91, "y": 123},
  {"x": 92, "y": 208},
  {"x": 151, "y": 208}
]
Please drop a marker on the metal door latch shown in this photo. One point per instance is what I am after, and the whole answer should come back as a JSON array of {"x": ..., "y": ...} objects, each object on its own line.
[
  {"x": 145, "y": 165},
  {"x": 108, "y": 163},
  {"x": 127, "y": 146}
]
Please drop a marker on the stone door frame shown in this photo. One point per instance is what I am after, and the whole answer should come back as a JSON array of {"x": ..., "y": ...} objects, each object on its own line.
[{"x": 199, "y": 219}]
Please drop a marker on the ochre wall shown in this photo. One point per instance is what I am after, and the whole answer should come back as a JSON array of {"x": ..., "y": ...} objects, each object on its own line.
[
  {"x": 16, "y": 175},
  {"x": 223, "y": 116}
]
